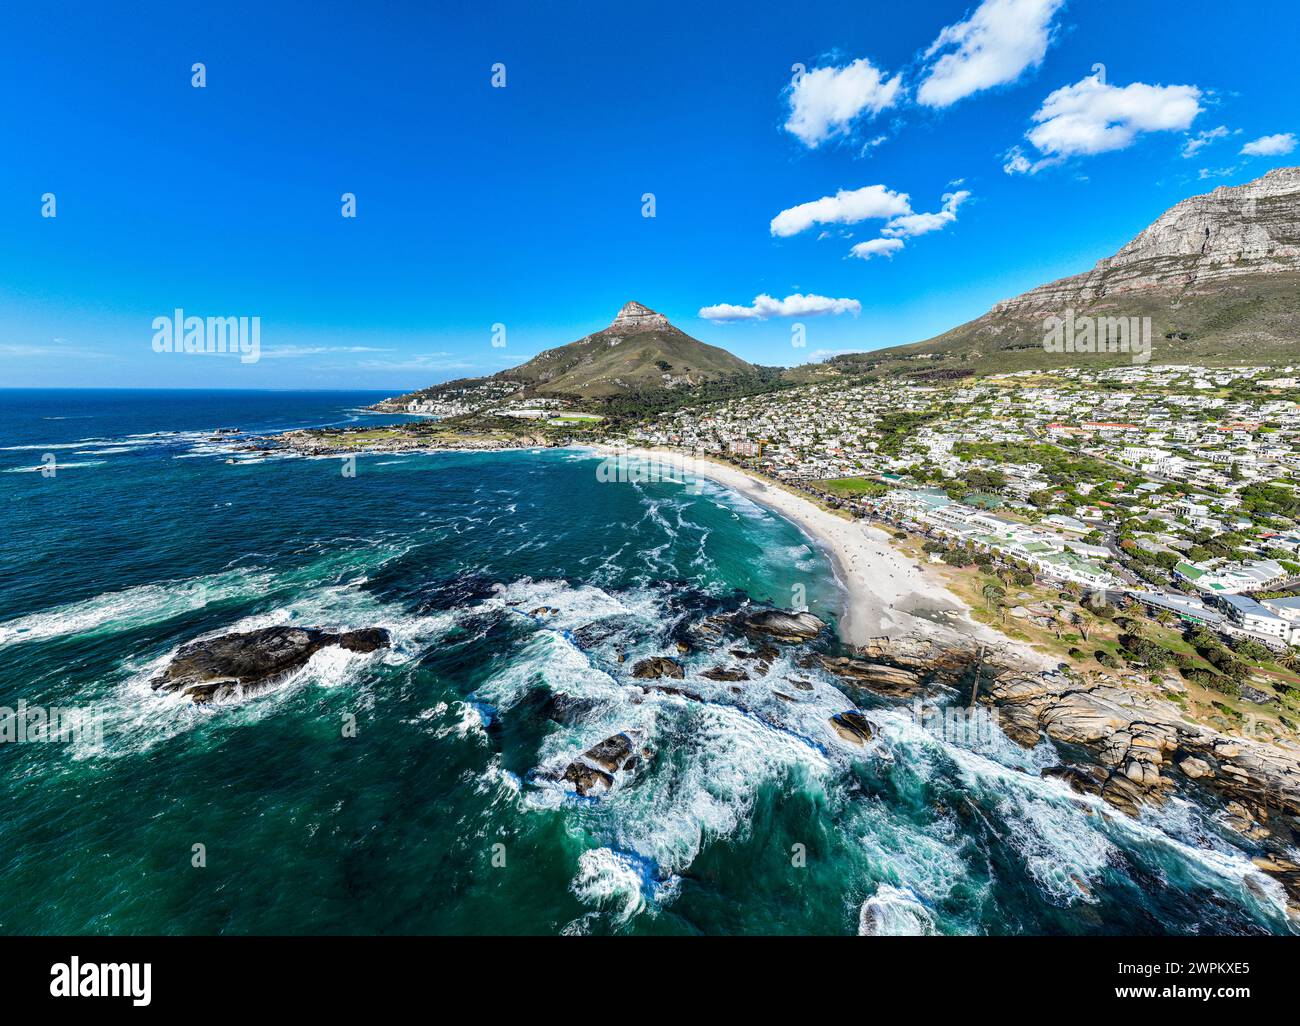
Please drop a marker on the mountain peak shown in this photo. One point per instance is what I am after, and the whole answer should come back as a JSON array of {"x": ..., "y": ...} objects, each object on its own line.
[
  {"x": 1218, "y": 237},
  {"x": 635, "y": 317}
]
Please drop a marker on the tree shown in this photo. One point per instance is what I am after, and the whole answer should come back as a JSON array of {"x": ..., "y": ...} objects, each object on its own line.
[{"x": 993, "y": 593}]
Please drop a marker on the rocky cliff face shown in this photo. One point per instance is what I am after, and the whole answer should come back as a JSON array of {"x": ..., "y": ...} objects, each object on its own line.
[
  {"x": 1218, "y": 275},
  {"x": 1223, "y": 235},
  {"x": 634, "y": 317}
]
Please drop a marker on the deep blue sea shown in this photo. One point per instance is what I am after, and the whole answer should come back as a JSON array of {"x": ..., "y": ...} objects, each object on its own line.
[{"x": 440, "y": 813}]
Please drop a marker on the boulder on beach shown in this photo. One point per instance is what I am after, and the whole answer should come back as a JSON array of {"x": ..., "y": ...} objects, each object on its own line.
[{"x": 233, "y": 664}]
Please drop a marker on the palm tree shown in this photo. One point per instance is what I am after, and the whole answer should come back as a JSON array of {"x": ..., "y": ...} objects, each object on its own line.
[
  {"x": 993, "y": 592},
  {"x": 1291, "y": 661}
]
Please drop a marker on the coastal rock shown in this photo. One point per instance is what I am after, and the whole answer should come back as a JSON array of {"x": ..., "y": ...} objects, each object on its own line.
[
  {"x": 877, "y": 677},
  {"x": 1135, "y": 736},
  {"x": 599, "y": 767},
  {"x": 656, "y": 667},
  {"x": 587, "y": 780},
  {"x": 1083, "y": 779},
  {"x": 922, "y": 655},
  {"x": 725, "y": 673},
  {"x": 611, "y": 753},
  {"x": 234, "y": 664},
  {"x": 1287, "y": 873},
  {"x": 665, "y": 689},
  {"x": 853, "y": 727},
  {"x": 781, "y": 624}
]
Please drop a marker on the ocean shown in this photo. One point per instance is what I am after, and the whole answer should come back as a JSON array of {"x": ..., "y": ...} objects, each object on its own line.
[{"x": 415, "y": 790}]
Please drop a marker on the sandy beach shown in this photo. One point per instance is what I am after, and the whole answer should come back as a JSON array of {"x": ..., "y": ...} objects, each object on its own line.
[{"x": 886, "y": 594}]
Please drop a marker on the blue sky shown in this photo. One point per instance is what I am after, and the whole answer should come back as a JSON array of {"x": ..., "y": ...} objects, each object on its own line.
[{"x": 523, "y": 205}]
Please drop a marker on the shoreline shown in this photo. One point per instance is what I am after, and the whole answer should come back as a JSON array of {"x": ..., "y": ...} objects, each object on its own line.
[{"x": 886, "y": 594}]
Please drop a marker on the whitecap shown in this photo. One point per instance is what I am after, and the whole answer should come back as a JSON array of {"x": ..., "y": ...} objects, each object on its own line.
[{"x": 894, "y": 912}]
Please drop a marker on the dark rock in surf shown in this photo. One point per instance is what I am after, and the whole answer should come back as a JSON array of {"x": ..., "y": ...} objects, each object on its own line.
[
  {"x": 725, "y": 673},
  {"x": 611, "y": 753},
  {"x": 233, "y": 664},
  {"x": 665, "y": 689},
  {"x": 781, "y": 624},
  {"x": 587, "y": 780},
  {"x": 877, "y": 677},
  {"x": 656, "y": 667},
  {"x": 594, "y": 772},
  {"x": 853, "y": 727}
]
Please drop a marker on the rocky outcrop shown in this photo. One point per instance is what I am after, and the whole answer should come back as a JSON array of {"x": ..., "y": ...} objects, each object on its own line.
[
  {"x": 634, "y": 317},
  {"x": 725, "y": 673},
  {"x": 1217, "y": 274},
  {"x": 1143, "y": 748},
  {"x": 781, "y": 624},
  {"x": 237, "y": 664},
  {"x": 656, "y": 667},
  {"x": 891, "y": 681},
  {"x": 602, "y": 765},
  {"x": 853, "y": 727},
  {"x": 1230, "y": 232}
]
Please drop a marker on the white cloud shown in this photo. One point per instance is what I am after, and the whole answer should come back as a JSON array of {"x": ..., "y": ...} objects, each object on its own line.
[
  {"x": 1217, "y": 172},
  {"x": 992, "y": 47},
  {"x": 1017, "y": 163},
  {"x": 421, "y": 362},
  {"x": 765, "y": 306},
  {"x": 1092, "y": 117},
  {"x": 1203, "y": 139},
  {"x": 909, "y": 226},
  {"x": 877, "y": 247},
  {"x": 822, "y": 355},
  {"x": 1270, "y": 146},
  {"x": 291, "y": 351},
  {"x": 845, "y": 207},
  {"x": 23, "y": 349},
  {"x": 825, "y": 102}
]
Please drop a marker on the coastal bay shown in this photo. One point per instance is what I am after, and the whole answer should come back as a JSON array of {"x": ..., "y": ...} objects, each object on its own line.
[{"x": 519, "y": 594}]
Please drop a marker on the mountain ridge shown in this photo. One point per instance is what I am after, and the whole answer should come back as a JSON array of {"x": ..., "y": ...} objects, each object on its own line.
[
  {"x": 639, "y": 351},
  {"x": 1217, "y": 273}
]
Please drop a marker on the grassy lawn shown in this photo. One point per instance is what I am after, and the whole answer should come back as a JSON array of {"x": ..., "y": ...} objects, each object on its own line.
[
  {"x": 853, "y": 487},
  {"x": 377, "y": 436}
]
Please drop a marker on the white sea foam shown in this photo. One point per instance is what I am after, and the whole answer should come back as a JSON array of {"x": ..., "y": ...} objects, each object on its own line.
[
  {"x": 132, "y": 607},
  {"x": 894, "y": 912},
  {"x": 611, "y": 882},
  {"x": 57, "y": 467}
]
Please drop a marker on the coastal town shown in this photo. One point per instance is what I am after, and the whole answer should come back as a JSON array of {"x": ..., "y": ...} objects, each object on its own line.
[{"x": 1170, "y": 486}]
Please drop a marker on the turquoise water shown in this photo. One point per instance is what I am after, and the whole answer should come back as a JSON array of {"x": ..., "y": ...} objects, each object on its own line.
[{"x": 439, "y": 815}]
